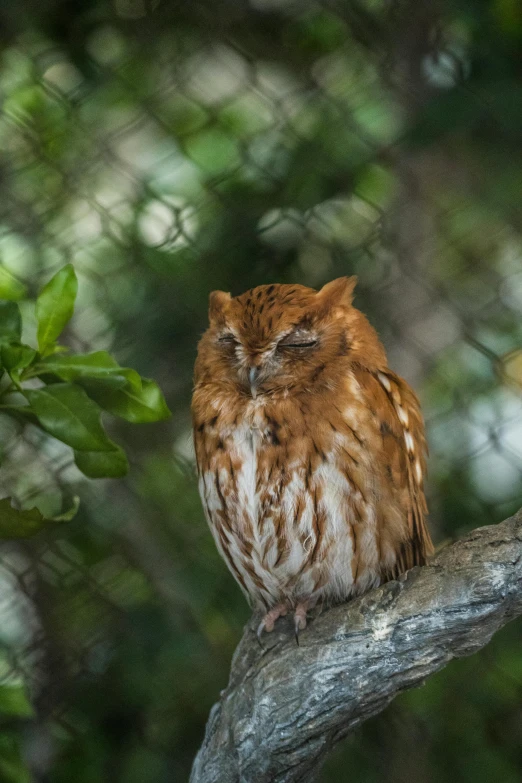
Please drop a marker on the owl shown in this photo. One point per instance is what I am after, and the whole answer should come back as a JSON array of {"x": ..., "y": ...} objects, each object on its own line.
[{"x": 310, "y": 451}]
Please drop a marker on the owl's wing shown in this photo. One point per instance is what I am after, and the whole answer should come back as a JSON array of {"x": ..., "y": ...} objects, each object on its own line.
[{"x": 400, "y": 459}]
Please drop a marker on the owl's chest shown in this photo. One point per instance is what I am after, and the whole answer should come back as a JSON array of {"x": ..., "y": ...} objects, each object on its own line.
[
  {"x": 280, "y": 502},
  {"x": 250, "y": 452},
  {"x": 264, "y": 469}
]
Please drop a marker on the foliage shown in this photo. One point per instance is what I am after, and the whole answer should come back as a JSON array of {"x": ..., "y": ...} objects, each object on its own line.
[{"x": 70, "y": 394}]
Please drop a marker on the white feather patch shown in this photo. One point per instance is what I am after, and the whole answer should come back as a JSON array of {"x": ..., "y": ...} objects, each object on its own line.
[
  {"x": 403, "y": 416},
  {"x": 385, "y": 381}
]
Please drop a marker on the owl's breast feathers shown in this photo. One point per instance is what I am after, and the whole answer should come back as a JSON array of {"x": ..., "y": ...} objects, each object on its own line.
[{"x": 318, "y": 494}]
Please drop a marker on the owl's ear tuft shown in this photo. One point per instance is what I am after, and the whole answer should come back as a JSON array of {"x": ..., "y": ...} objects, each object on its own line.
[
  {"x": 218, "y": 302},
  {"x": 337, "y": 293}
]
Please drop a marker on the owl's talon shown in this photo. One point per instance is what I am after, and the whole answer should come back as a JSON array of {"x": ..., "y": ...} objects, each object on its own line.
[
  {"x": 300, "y": 619},
  {"x": 296, "y": 631},
  {"x": 259, "y": 634},
  {"x": 267, "y": 623}
]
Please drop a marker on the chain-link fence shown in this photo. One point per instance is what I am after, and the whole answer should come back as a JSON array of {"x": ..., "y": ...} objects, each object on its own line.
[{"x": 169, "y": 151}]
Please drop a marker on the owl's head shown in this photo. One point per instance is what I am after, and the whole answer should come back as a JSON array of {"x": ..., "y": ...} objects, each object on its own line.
[{"x": 277, "y": 337}]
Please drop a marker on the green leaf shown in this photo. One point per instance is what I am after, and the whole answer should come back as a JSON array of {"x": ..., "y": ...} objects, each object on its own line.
[
  {"x": 10, "y": 322},
  {"x": 21, "y": 413},
  {"x": 69, "y": 513},
  {"x": 19, "y": 524},
  {"x": 26, "y": 523},
  {"x": 16, "y": 356},
  {"x": 10, "y": 287},
  {"x": 137, "y": 406},
  {"x": 14, "y": 701},
  {"x": 55, "y": 306},
  {"x": 102, "y": 464},
  {"x": 66, "y": 412},
  {"x": 99, "y": 366}
]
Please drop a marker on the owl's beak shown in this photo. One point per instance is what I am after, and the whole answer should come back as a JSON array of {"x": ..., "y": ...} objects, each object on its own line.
[{"x": 253, "y": 375}]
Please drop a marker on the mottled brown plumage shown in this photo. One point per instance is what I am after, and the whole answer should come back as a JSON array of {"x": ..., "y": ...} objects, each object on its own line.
[{"x": 310, "y": 451}]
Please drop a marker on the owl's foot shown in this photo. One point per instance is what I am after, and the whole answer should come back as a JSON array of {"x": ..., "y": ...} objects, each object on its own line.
[
  {"x": 267, "y": 623},
  {"x": 300, "y": 618}
]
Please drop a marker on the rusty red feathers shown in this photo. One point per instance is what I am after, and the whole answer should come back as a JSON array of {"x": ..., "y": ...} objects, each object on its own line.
[{"x": 310, "y": 451}]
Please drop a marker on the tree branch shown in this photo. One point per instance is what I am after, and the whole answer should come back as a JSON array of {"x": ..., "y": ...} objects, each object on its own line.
[{"x": 285, "y": 707}]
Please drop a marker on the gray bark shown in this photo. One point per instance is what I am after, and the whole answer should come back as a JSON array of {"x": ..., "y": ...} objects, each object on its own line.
[{"x": 286, "y": 706}]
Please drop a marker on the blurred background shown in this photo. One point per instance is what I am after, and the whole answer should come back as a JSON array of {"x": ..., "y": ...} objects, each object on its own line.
[{"x": 168, "y": 149}]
